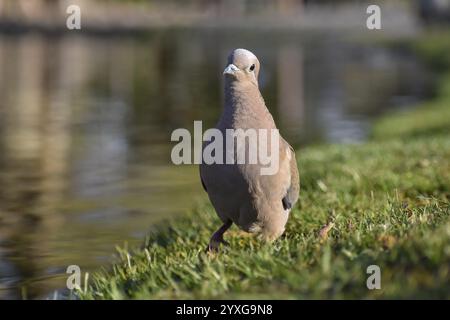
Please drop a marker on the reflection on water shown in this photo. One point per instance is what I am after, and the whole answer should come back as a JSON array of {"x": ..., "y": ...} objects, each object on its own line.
[{"x": 85, "y": 129}]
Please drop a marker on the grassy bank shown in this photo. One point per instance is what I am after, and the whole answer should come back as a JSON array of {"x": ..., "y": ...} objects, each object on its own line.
[
  {"x": 386, "y": 202},
  {"x": 433, "y": 116}
]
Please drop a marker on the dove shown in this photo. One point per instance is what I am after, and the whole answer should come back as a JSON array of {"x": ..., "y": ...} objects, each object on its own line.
[{"x": 239, "y": 193}]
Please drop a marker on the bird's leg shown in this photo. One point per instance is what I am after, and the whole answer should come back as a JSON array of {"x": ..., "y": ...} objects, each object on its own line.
[{"x": 217, "y": 237}]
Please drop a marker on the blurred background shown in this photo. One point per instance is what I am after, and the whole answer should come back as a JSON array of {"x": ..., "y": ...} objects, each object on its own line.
[{"x": 86, "y": 115}]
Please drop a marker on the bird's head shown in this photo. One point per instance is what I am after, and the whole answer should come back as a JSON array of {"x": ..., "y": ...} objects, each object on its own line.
[{"x": 243, "y": 66}]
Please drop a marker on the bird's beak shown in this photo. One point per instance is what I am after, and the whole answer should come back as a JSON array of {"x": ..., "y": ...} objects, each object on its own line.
[{"x": 230, "y": 69}]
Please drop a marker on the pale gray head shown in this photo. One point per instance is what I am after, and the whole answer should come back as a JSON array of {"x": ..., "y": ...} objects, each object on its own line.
[{"x": 243, "y": 66}]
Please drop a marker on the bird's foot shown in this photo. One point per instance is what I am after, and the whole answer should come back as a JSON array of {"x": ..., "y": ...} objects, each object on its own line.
[
  {"x": 217, "y": 238},
  {"x": 214, "y": 245}
]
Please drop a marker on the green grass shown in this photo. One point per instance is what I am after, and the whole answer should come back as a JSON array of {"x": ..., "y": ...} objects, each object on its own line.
[{"x": 387, "y": 202}]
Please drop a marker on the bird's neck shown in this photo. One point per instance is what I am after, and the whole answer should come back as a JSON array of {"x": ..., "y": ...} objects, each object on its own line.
[{"x": 243, "y": 100}]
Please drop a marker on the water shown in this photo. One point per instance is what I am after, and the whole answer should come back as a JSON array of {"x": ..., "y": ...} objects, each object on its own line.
[{"x": 85, "y": 126}]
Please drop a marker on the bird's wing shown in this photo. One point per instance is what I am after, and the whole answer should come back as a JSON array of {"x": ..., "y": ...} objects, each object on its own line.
[{"x": 292, "y": 193}]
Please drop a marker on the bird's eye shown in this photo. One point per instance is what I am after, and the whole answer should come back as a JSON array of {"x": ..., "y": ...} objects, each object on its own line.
[{"x": 252, "y": 67}]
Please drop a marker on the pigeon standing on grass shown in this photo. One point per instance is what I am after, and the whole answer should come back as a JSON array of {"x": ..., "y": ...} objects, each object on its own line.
[{"x": 240, "y": 194}]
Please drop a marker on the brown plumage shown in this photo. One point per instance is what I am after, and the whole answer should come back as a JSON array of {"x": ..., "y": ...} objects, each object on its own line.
[{"x": 239, "y": 193}]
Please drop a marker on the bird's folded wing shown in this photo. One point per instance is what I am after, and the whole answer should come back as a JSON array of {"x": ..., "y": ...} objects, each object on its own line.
[{"x": 294, "y": 188}]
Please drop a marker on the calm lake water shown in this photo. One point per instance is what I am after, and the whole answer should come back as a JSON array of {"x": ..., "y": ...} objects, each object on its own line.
[{"x": 85, "y": 126}]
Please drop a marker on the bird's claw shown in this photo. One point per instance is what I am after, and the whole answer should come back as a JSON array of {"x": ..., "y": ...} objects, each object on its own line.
[{"x": 214, "y": 245}]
